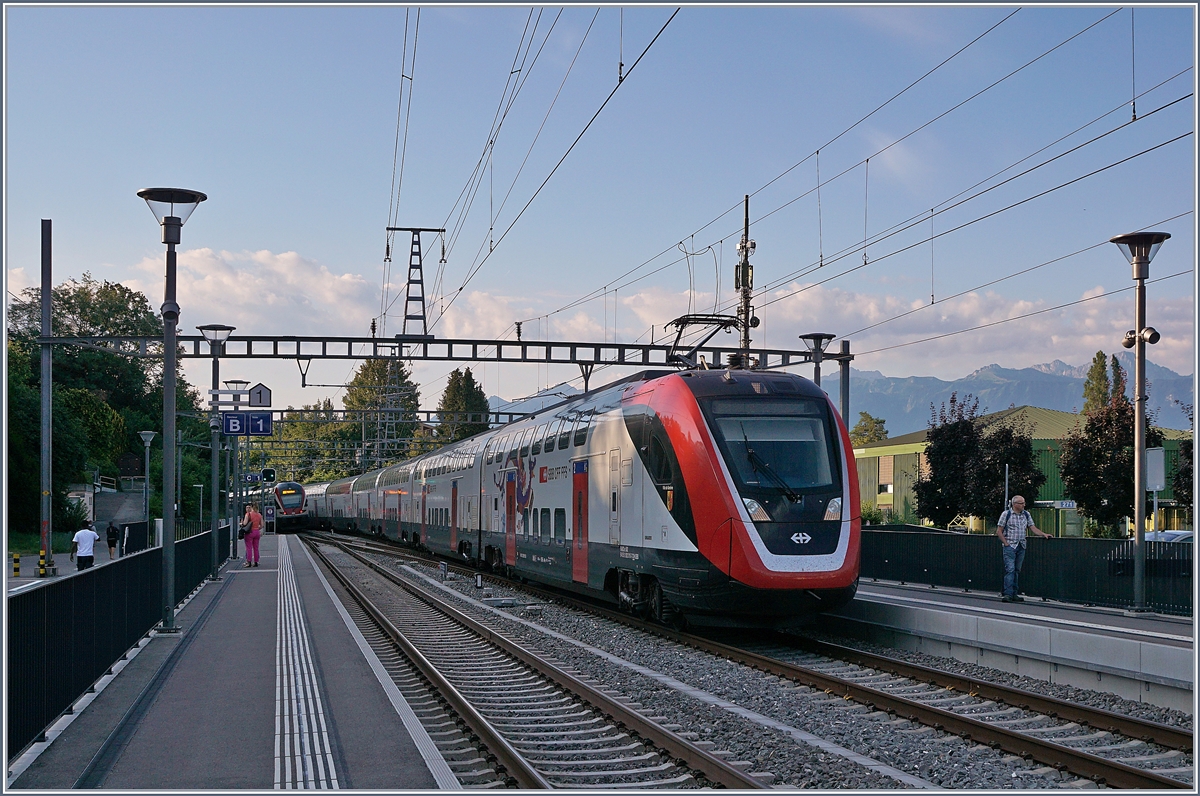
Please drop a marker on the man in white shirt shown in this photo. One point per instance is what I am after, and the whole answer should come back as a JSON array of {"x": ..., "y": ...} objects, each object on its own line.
[{"x": 84, "y": 544}]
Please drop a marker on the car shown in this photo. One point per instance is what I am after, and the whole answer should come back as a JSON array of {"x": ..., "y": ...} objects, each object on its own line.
[{"x": 1169, "y": 536}]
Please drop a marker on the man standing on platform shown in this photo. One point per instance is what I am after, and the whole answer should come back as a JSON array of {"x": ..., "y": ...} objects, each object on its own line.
[
  {"x": 84, "y": 544},
  {"x": 1012, "y": 528}
]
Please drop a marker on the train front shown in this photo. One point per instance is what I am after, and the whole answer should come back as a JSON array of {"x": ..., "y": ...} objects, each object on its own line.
[
  {"x": 289, "y": 506},
  {"x": 769, "y": 470}
]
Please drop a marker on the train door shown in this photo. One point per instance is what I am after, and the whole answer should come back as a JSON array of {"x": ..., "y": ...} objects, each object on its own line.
[
  {"x": 453, "y": 516},
  {"x": 510, "y": 517},
  {"x": 630, "y": 502},
  {"x": 579, "y": 510},
  {"x": 614, "y": 493},
  {"x": 424, "y": 532}
]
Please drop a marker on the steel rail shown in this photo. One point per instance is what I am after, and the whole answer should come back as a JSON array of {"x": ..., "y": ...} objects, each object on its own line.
[
  {"x": 514, "y": 763},
  {"x": 1110, "y": 772},
  {"x": 713, "y": 767},
  {"x": 1130, "y": 726}
]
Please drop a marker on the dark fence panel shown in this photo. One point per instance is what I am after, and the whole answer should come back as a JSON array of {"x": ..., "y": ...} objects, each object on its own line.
[
  {"x": 67, "y": 633},
  {"x": 134, "y": 538},
  {"x": 1087, "y": 571}
]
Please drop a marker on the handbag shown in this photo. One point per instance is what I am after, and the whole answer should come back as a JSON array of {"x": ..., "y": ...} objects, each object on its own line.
[{"x": 241, "y": 533}]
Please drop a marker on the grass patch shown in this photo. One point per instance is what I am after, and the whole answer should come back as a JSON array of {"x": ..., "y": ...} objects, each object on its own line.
[{"x": 31, "y": 543}]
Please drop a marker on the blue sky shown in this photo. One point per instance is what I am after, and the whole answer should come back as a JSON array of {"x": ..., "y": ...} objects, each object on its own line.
[{"x": 287, "y": 118}]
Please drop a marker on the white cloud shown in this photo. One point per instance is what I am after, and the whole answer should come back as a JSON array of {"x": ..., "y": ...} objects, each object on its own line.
[
  {"x": 263, "y": 293},
  {"x": 17, "y": 281}
]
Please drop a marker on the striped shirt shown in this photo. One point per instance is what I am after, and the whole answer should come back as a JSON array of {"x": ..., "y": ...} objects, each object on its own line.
[{"x": 1014, "y": 524}]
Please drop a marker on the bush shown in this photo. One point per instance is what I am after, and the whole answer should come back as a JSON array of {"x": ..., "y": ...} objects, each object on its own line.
[{"x": 872, "y": 515}]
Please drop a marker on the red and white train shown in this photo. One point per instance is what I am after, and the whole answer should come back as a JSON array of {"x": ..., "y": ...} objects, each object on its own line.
[{"x": 722, "y": 497}]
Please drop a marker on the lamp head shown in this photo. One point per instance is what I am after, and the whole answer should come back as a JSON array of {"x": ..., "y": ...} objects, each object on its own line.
[
  {"x": 172, "y": 207},
  {"x": 236, "y": 384},
  {"x": 1139, "y": 249},
  {"x": 216, "y": 332},
  {"x": 147, "y": 437},
  {"x": 816, "y": 341}
]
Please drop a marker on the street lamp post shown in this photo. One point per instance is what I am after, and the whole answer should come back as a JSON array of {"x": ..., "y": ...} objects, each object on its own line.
[
  {"x": 172, "y": 207},
  {"x": 216, "y": 334},
  {"x": 815, "y": 342},
  {"x": 147, "y": 438},
  {"x": 1139, "y": 249},
  {"x": 236, "y": 385}
]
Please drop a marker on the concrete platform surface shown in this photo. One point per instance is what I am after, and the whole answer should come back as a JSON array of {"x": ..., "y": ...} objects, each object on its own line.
[
  {"x": 265, "y": 687},
  {"x": 1145, "y": 657}
]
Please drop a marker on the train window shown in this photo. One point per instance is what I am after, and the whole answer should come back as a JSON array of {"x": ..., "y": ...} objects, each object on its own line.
[
  {"x": 525, "y": 521},
  {"x": 546, "y": 523},
  {"x": 564, "y": 434},
  {"x": 525, "y": 439},
  {"x": 581, "y": 430},
  {"x": 766, "y": 447},
  {"x": 660, "y": 463},
  {"x": 560, "y": 523},
  {"x": 548, "y": 445},
  {"x": 536, "y": 447},
  {"x": 514, "y": 444}
]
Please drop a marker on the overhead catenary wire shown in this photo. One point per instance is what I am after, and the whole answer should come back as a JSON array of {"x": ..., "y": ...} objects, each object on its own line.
[
  {"x": 1017, "y": 317},
  {"x": 591, "y": 295},
  {"x": 399, "y": 151},
  {"x": 471, "y": 275},
  {"x": 1005, "y": 278}
]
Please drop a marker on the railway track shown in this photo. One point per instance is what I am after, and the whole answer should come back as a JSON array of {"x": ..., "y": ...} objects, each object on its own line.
[
  {"x": 1107, "y": 747},
  {"x": 538, "y": 725}
]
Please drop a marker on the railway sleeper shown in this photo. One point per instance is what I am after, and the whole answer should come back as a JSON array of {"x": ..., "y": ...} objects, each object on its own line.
[
  {"x": 540, "y": 762},
  {"x": 636, "y": 747},
  {"x": 583, "y": 718},
  {"x": 530, "y": 735},
  {"x": 626, "y": 772},
  {"x": 577, "y": 743}
]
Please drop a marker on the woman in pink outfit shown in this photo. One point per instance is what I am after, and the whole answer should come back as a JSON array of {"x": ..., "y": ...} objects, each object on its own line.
[{"x": 252, "y": 522}]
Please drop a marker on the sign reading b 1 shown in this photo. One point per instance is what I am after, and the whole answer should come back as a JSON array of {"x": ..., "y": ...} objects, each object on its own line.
[{"x": 243, "y": 424}]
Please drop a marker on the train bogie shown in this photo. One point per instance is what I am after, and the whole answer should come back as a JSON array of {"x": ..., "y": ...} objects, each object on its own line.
[{"x": 726, "y": 497}]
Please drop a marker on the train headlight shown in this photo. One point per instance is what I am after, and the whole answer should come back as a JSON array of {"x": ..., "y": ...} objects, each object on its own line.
[
  {"x": 757, "y": 512},
  {"x": 833, "y": 511}
]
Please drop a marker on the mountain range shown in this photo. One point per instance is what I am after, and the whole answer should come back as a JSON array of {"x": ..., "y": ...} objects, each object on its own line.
[{"x": 905, "y": 402}]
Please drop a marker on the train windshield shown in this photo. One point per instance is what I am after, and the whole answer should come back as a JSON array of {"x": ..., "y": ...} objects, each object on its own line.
[
  {"x": 776, "y": 444},
  {"x": 290, "y": 497}
]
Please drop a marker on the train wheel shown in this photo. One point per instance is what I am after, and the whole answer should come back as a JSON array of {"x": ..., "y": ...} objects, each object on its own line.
[{"x": 656, "y": 602}]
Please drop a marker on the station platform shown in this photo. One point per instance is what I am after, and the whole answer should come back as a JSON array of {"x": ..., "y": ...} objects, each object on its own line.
[
  {"x": 1146, "y": 657},
  {"x": 268, "y": 685}
]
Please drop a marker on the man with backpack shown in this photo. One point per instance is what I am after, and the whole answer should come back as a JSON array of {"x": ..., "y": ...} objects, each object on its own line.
[{"x": 1012, "y": 528}]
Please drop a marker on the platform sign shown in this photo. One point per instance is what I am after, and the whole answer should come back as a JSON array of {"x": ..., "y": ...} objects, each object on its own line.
[
  {"x": 251, "y": 478},
  {"x": 234, "y": 424},
  {"x": 1156, "y": 470},
  {"x": 246, "y": 424},
  {"x": 259, "y": 424},
  {"x": 269, "y": 513},
  {"x": 260, "y": 395}
]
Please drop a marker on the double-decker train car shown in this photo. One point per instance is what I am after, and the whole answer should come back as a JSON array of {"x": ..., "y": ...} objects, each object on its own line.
[{"x": 720, "y": 497}]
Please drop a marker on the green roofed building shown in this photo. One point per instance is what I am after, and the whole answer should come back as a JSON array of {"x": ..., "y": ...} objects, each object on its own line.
[{"x": 888, "y": 469}]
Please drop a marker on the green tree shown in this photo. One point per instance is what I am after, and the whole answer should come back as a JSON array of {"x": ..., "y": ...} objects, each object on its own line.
[
  {"x": 1181, "y": 483},
  {"x": 385, "y": 390},
  {"x": 102, "y": 399},
  {"x": 1007, "y": 444},
  {"x": 1096, "y": 462},
  {"x": 1096, "y": 388},
  {"x": 943, "y": 490},
  {"x": 868, "y": 429},
  {"x": 462, "y": 394}
]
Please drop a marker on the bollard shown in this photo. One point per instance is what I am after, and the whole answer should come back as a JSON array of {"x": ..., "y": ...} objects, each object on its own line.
[
  {"x": 478, "y": 580},
  {"x": 42, "y": 564},
  {"x": 16, "y": 565}
]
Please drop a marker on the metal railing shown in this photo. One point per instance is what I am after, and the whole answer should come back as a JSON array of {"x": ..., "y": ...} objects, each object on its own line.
[
  {"x": 1086, "y": 571},
  {"x": 67, "y": 633}
]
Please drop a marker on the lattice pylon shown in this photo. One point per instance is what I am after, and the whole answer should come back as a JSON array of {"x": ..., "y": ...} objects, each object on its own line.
[{"x": 416, "y": 289}]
